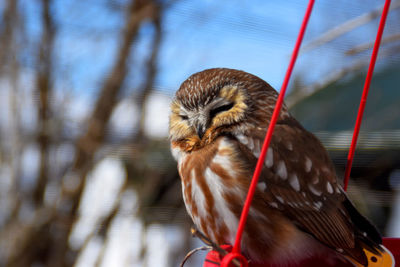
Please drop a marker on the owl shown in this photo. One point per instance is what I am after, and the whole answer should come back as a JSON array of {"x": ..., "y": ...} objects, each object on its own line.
[{"x": 219, "y": 118}]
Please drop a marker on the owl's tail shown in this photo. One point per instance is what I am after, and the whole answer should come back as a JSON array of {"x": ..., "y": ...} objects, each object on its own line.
[{"x": 381, "y": 258}]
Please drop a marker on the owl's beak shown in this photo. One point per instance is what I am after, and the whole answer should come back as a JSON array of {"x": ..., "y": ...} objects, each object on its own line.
[
  {"x": 201, "y": 124},
  {"x": 200, "y": 129}
]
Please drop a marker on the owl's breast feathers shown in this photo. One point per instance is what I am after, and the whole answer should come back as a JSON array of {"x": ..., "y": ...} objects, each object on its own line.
[{"x": 215, "y": 182}]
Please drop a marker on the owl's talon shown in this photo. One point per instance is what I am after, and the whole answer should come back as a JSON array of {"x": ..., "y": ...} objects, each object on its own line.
[
  {"x": 190, "y": 253},
  {"x": 195, "y": 232}
]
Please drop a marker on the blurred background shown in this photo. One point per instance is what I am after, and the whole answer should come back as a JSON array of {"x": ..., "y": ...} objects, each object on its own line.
[{"x": 86, "y": 175}]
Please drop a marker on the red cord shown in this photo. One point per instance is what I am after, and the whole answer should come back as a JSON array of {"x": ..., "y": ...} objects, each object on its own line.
[
  {"x": 236, "y": 248},
  {"x": 364, "y": 96}
]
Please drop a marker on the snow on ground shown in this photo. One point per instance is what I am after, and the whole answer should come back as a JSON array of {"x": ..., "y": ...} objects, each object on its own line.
[
  {"x": 157, "y": 113},
  {"x": 127, "y": 236},
  {"x": 99, "y": 197}
]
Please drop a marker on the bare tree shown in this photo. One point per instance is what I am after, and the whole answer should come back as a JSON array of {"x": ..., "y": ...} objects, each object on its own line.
[
  {"x": 43, "y": 90},
  {"x": 44, "y": 239}
]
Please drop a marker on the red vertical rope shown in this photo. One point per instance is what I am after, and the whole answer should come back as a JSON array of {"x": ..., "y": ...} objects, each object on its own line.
[
  {"x": 236, "y": 248},
  {"x": 364, "y": 96}
]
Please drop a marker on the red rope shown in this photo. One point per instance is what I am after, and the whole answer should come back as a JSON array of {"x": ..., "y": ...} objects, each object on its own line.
[
  {"x": 364, "y": 96},
  {"x": 236, "y": 248}
]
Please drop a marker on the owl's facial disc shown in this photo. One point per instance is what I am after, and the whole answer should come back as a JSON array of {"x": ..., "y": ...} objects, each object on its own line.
[
  {"x": 201, "y": 118},
  {"x": 199, "y": 115}
]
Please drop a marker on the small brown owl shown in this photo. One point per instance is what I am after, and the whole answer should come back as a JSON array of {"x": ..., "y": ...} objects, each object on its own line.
[{"x": 218, "y": 122}]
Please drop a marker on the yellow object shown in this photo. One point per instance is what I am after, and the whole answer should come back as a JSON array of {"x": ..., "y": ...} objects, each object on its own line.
[{"x": 385, "y": 259}]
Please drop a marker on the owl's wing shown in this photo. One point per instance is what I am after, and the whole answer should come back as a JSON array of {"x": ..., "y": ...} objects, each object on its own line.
[{"x": 300, "y": 181}]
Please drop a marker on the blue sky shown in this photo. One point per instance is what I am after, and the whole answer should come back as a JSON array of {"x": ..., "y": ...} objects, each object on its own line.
[
  {"x": 255, "y": 36},
  {"x": 233, "y": 35}
]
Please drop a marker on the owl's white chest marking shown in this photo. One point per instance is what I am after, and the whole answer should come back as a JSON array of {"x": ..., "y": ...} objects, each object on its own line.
[
  {"x": 207, "y": 189},
  {"x": 224, "y": 216}
]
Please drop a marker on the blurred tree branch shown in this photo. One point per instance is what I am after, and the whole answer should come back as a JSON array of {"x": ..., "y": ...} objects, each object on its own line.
[
  {"x": 8, "y": 22},
  {"x": 345, "y": 27},
  {"x": 44, "y": 88},
  {"x": 27, "y": 233},
  {"x": 151, "y": 73},
  {"x": 8, "y": 57},
  {"x": 362, "y": 47}
]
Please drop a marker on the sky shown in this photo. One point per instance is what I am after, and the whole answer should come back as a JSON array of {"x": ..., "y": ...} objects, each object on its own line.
[{"x": 256, "y": 36}]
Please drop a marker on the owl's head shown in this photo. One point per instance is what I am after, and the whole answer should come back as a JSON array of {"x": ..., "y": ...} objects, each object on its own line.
[{"x": 219, "y": 101}]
